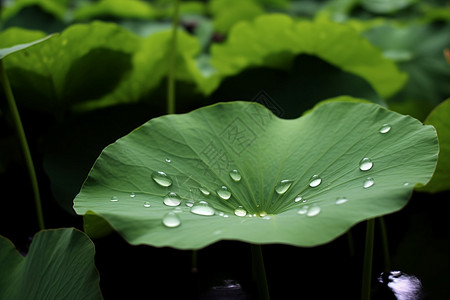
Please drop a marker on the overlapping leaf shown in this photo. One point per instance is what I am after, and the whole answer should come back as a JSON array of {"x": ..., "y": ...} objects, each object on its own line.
[{"x": 197, "y": 151}]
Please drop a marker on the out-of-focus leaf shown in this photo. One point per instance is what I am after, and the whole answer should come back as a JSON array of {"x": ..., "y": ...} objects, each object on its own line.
[{"x": 440, "y": 119}]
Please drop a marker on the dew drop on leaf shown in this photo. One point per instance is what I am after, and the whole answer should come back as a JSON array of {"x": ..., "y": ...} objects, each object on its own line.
[
  {"x": 365, "y": 164},
  {"x": 114, "y": 199},
  {"x": 385, "y": 128},
  {"x": 235, "y": 175},
  {"x": 202, "y": 208},
  {"x": 240, "y": 212},
  {"x": 204, "y": 191},
  {"x": 313, "y": 211},
  {"x": 172, "y": 199},
  {"x": 132, "y": 195},
  {"x": 189, "y": 203},
  {"x": 303, "y": 210},
  {"x": 283, "y": 186},
  {"x": 147, "y": 204},
  {"x": 315, "y": 181},
  {"x": 341, "y": 200},
  {"x": 162, "y": 178},
  {"x": 224, "y": 193},
  {"x": 171, "y": 219},
  {"x": 368, "y": 182},
  {"x": 299, "y": 198}
]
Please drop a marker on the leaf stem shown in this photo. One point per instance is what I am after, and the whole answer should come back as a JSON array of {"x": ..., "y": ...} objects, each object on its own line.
[
  {"x": 172, "y": 60},
  {"x": 368, "y": 256},
  {"x": 384, "y": 241},
  {"x": 23, "y": 143},
  {"x": 259, "y": 272}
]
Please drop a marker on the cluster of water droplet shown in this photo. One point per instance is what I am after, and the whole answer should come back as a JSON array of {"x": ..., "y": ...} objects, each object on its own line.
[{"x": 202, "y": 208}]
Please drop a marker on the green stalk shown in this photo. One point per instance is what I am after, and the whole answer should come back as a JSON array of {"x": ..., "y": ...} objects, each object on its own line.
[
  {"x": 384, "y": 241},
  {"x": 172, "y": 61},
  {"x": 23, "y": 143},
  {"x": 368, "y": 256},
  {"x": 259, "y": 272}
]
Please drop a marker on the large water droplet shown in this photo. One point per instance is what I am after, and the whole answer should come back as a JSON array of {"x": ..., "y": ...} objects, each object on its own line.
[
  {"x": 240, "y": 212},
  {"x": 162, "y": 179},
  {"x": 171, "y": 219},
  {"x": 204, "y": 191},
  {"x": 283, "y": 186},
  {"x": 172, "y": 199},
  {"x": 315, "y": 181},
  {"x": 114, "y": 199},
  {"x": 385, "y": 128},
  {"x": 132, "y": 195},
  {"x": 224, "y": 193},
  {"x": 235, "y": 175},
  {"x": 147, "y": 204},
  {"x": 313, "y": 211},
  {"x": 341, "y": 200},
  {"x": 365, "y": 164},
  {"x": 202, "y": 208},
  {"x": 368, "y": 182}
]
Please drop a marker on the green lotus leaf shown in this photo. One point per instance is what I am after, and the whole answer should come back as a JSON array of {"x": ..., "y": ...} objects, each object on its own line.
[
  {"x": 226, "y": 13},
  {"x": 251, "y": 44},
  {"x": 440, "y": 119},
  {"x": 56, "y": 8},
  {"x": 262, "y": 179},
  {"x": 150, "y": 68},
  {"x": 59, "y": 265},
  {"x": 417, "y": 49},
  {"x": 132, "y": 9},
  {"x": 82, "y": 63},
  {"x": 15, "y": 46}
]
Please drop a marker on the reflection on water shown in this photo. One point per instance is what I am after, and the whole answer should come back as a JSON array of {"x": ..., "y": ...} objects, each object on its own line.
[{"x": 404, "y": 286}]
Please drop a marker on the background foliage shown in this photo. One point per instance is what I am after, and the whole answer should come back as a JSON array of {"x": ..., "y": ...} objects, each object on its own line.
[{"x": 105, "y": 73}]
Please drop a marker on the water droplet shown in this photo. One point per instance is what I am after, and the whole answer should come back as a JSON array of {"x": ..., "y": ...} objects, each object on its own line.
[
  {"x": 202, "y": 208},
  {"x": 283, "y": 186},
  {"x": 341, "y": 200},
  {"x": 368, "y": 182},
  {"x": 204, "y": 191},
  {"x": 171, "y": 219},
  {"x": 224, "y": 193},
  {"x": 240, "y": 212},
  {"x": 315, "y": 181},
  {"x": 262, "y": 214},
  {"x": 313, "y": 211},
  {"x": 235, "y": 175},
  {"x": 385, "y": 128},
  {"x": 162, "y": 179},
  {"x": 114, "y": 199},
  {"x": 168, "y": 160},
  {"x": 298, "y": 199},
  {"x": 147, "y": 204},
  {"x": 406, "y": 183},
  {"x": 172, "y": 199},
  {"x": 303, "y": 210},
  {"x": 132, "y": 195},
  {"x": 189, "y": 203},
  {"x": 365, "y": 164}
]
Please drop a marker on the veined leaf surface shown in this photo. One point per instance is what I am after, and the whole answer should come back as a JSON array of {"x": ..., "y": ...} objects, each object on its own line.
[{"x": 300, "y": 183}]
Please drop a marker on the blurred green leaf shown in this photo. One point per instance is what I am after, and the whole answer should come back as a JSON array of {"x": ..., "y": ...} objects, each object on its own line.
[
  {"x": 273, "y": 41},
  {"x": 440, "y": 119}
]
